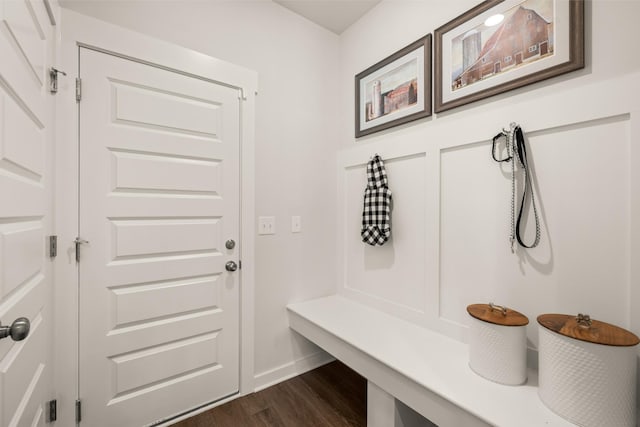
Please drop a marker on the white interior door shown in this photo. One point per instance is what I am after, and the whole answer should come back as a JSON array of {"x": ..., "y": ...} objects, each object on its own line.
[
  {"x": 25, "y": 210},
  {"x": 159, "y": 197}
]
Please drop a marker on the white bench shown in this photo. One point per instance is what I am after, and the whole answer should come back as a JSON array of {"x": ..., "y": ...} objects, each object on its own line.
[{"x": 405, "y": 364}]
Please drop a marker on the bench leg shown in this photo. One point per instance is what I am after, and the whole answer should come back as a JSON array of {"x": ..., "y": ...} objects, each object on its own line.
[
  {"x": 383, "y": 410},
  {"x": 381, "y": 407}
]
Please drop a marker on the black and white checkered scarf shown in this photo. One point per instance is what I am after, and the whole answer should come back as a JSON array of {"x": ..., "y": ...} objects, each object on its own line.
[{"x": 376, "y": 215}]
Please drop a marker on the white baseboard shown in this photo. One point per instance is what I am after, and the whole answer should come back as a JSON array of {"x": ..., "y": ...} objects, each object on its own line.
[
  {"x": 265, "y": 380},
  {"x": 289, "y": 370}
]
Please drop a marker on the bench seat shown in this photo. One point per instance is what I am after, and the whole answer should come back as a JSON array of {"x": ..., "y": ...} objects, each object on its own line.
[{"x": 426, "y": 371}]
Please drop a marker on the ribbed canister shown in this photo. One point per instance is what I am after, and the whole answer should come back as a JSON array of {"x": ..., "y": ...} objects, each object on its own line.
[
  {"x": 498, "y": 344},
  {"x": 591, "y": 384}
]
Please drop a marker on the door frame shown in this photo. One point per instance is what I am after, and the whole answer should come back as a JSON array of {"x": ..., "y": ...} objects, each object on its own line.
[{"x": 78, "y": 30}]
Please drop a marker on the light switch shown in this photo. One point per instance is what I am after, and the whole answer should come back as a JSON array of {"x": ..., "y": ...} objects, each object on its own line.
[
  {"x": 267, "y": 225},
  {"x": 296, "y": 224}
]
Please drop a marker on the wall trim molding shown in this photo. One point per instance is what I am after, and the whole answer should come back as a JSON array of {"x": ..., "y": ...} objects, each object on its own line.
[
  {"x": 292, "y": 369},
  {"x": 445, "y": 134}
]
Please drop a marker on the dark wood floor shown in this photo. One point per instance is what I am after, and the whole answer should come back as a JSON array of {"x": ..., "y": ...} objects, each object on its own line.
[{"x": 331, "y": 396}]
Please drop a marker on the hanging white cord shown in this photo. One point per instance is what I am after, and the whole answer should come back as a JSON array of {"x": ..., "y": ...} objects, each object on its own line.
[
  {"x": 511, "y": 153},
  {"x": 515, "y": 148}
]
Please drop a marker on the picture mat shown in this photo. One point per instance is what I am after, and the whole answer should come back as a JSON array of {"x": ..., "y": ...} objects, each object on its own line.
[
  {"x": 561, "y": 51},
  {"x": 401, "y": 74},
  {"x": 416, "y": 55},
  {"x": 544, "y": 9}
]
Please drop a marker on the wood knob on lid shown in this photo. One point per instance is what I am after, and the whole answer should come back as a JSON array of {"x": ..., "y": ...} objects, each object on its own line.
[
  {"x": 583, "y": 328},
  {"x": 497, "y": 315}
]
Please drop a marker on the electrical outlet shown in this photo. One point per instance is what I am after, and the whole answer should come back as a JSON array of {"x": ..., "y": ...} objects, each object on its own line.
[
  {"x": 296, "y": 224},
  {"x": 267, "y": 225}
]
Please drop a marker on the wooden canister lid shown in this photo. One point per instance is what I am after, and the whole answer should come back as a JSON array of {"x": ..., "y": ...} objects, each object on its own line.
[
  {"x": 497, "y": 315},
  {"x": 583, "y": 328}
]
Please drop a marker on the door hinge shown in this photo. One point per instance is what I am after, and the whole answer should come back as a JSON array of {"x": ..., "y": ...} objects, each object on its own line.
[
  {"x": 52, "y": 414},
  {"x": 78, "y": 411},
  {"x": 53, "y": 246},
  {"x": 240, "y": 264},
  {"x": 78, "y": 89}
]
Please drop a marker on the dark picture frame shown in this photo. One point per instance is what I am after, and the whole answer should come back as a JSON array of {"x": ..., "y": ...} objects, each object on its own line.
[
  {"x": 394, "y": 91},
  {"x": 533, "y": 42}
]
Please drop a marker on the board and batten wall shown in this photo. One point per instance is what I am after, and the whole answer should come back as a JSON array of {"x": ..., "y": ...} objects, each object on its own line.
[
  {"x": 295, "y": 147},
  {"x": 451, "y": 214}
]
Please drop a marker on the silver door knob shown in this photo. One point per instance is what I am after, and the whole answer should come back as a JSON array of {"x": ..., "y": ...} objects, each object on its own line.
[
  {"x": 231, "y": 266},
  {"x": 18, "y": 330}
]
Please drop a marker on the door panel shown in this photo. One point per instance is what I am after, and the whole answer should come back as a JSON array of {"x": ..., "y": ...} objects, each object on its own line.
[
  {"x": 20, "y": 19},
  {"x": 165, "y": 173},
  {"x": 24, "y": 141},
  {"x": 153, "y": 107},
  {"x": 164, "y": 237},
  {"x": 22, "y": 42},
  {"x": 22, "y": 258},
  {"x": 159, "y": 196},
  {"x": 25, "y": 210},
  {"x": 173, "y": 297}
]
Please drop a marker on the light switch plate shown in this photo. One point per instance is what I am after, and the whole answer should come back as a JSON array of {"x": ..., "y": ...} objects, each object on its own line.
[
  {"x": 296, "y": 224},
  {"x": 267, "y": 225}
]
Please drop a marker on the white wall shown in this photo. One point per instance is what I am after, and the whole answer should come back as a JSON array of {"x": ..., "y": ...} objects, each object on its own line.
[
  {"x": 296, "y": 62},
  {"x": 450, "y": 222}
]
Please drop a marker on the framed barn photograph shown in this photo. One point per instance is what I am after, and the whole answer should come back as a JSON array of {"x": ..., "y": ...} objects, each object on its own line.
[
  {"x": 501, "y": 45},
  {"x": 396, "y": 90}
]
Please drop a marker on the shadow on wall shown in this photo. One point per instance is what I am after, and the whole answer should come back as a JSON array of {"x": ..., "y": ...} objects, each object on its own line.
[
  {"x": 544, "y": 266},
  {"x": 379, "y": 257}
]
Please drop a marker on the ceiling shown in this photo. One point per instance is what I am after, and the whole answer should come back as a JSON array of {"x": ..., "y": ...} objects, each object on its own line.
[{"x": 334, "y": 15}]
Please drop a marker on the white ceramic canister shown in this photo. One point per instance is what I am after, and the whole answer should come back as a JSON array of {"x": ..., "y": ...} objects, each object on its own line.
[
  {"x": 587, "y": 370},
  {"x": 498, "y": 343}
]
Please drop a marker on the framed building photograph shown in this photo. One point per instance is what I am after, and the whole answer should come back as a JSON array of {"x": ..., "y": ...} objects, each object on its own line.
[
  {"x": 501, "y": 45},
  {"x": 396, "y": 90}
]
